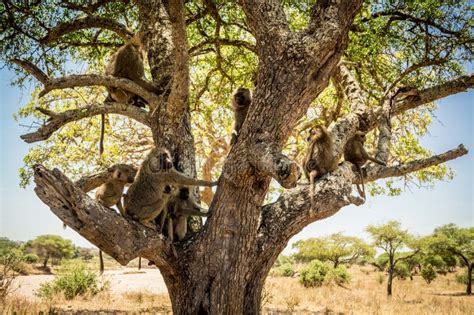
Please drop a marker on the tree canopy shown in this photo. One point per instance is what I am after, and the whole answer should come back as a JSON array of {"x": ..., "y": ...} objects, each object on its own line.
[{"x": 342, "y": 64}]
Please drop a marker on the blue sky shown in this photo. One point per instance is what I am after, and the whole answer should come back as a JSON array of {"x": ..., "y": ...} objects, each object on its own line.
[{"x": 23, "y": 216}]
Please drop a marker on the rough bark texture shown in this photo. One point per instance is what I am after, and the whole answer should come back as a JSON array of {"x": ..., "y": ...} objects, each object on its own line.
[{"x": 221, "y": 269}]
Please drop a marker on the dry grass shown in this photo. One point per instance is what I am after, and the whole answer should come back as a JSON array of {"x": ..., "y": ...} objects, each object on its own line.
[{"x": 364, "y": 295}]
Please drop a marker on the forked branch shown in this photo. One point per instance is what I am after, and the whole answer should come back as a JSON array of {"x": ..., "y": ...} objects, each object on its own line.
[{"x": 119, "y": 237}]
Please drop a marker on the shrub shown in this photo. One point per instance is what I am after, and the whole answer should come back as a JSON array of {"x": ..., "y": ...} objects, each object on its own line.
[
  {"x": 314, "y": 274},
  {"x": 428, "y": 273},
  {"x": 74, "y": 280},
  {"x": 462, "y": 278},
  {"x": 285, "y": 270},
  {"x": 9, "y": 263},
  {"x": 31, "y": 258},
  {"x": 338, "y": 275},
  {"x": 402, "y": 271}
]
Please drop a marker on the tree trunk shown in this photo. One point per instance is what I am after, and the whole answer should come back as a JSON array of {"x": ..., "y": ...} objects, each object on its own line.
[
  {"x": 139, "y": 263},
  {"x": 469, "y": 279},
  {"x": 45, "y": 262},
  {"x": 201, "y": 293},
  {"x": 101, "y": 262},
  {"x": 390, "y": 280}
]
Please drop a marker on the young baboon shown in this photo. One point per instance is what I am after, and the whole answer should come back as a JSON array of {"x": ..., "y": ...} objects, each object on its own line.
[
  {"x": 174, "y": 217},
  {"x": 320, "y": 158},
  {"x": 241, "y": 99},
  {"x": 110, "y": 193},
  {"x": 355, "y": 153},
  {"x": 148, "y": 195}
]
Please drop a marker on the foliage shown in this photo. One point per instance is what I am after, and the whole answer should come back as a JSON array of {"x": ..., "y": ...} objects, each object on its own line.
[
  {"x": 392, "y": 239},
  {"x": 31, "y": 258},
  {"x": 449, "y": 240},
  {"x": 52, "y": 246},
  {"x": 382, "y": 46},
  {"x": 314, "y": 274},
  {"x": 428, "y": 273},
  {"x": 284, "y": 270},
  {"x": 339, "y": 275},
  {"x": 317, "y": 273},
  {"x": 462, "y": 278},
  {"x": 6, "y": 246},
  {"x": 336, "y": 248},
  {"x": 9, "y": 264},
  {"x": 74, "y": 279}
]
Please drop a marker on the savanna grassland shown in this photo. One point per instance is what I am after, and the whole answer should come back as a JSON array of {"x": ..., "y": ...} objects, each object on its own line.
[{"x": 365, "y": 294}]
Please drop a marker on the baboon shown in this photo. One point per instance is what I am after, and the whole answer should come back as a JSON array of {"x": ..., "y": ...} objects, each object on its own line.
[
  {"x": 126, "y": 62},
  {"x": 110, "y": 193},
  {"x": 152, "y": 188},
  {"x": 241, "y": 99},
  {"x": 174, "y": 217},
  {"x": 320, "y": 158},
  {"x": 407, "y": 93},
  {"x": 355, "y": 153}
]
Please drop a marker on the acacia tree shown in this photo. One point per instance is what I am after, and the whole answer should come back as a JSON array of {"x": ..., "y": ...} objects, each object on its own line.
[
  {"x": 450, "y": 239},
  {"x": 337, "y": 63},
  {"x": 336, "y": 248},
  {"x": 392, "y": 239}
]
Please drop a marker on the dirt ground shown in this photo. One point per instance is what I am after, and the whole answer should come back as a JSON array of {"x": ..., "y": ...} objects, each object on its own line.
[{"x": 123, "y": 280}]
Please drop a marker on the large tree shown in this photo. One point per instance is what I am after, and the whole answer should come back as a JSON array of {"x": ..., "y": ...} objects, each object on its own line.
[{"x": 337, "y": 63}]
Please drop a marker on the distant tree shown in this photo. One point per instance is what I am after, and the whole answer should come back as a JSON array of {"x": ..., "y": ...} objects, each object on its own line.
[
  {"x": 84, "y": 253},
  {"x": 336, "y": 248},
  {"x": 52, "y": 246},
  {"x": 392, "y": 239},
  {"x": 449, "y": 240},
  {"x": 6, "y": 246}
]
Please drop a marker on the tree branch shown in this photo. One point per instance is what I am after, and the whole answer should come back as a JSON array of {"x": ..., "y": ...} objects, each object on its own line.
[
  {"x": 375, "y": 172},
  {"x": 292, "y": 211},
  {"x": 77, "y": 80},
  {"x": 32, "y": 69},
  {"x": 119, "y": 237},
  {"x": 57, "y": 32},
  {"x": 57, "y": 120},
  {"x": 267, "y": 158},
  {"x": 460, "y": 84},
  {"x": 88, "y": 183},
  {"x": 267, "y": 20}
]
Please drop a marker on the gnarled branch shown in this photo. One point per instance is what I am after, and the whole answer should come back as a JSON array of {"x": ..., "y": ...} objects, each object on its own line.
[
  {"x": 293, "y": 211},
  {"x": 77, "y": 80},
  {"x": 57, "y": 120},
  {"x": 267, "y": 159},
  {"x": 62, "y": 29},
  {"x": 101, "y": 226}
]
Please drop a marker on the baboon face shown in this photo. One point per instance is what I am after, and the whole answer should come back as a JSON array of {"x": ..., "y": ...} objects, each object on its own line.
[
  {"x": 124, "y": 176},
  {"x": 161, "y": 161},
  {"x": 314, "y": 133},
  {"x": 242, "y": 97},
  {"x": 359, "y": 136},
  {"x": 184, "y": 193}
]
